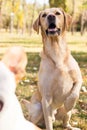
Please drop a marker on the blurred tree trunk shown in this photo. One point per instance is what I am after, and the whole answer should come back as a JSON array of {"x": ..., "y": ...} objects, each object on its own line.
[
  {"x": 44, "y": 5},
  {"x": 0, "y": 13},
  {"x": 32, "y": 19},
  {"x": 58, "y": 3},
  {"x": 12, "y": 17},
  {"x": 0, "y": 6},
  {"x": 73, "y": 17},
  {"x": 24, "y": 13}
]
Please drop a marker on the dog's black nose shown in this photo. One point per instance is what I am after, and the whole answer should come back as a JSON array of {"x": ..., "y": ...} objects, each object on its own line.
[{"x": 51, "y": 18}]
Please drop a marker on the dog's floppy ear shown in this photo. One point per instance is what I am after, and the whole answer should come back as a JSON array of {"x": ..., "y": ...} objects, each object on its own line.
[
  {"x": 37, "y": 24},
  {"x": 68, "y": 20}
]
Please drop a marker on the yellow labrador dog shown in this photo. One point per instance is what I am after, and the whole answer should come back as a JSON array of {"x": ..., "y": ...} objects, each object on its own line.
[
  {"x": 60, "y": 78},
  {"x": 11, "y": 115}
]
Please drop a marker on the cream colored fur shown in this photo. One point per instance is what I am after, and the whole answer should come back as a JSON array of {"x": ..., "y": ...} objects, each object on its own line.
[
  {"x": 59, "y": 76},
  {"x": 11, "y": 115}
]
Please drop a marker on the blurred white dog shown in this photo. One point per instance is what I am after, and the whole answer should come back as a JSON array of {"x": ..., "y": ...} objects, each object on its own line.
[
  {"x": 11, "y": 116},
  {"x": 15, "y": 59}
]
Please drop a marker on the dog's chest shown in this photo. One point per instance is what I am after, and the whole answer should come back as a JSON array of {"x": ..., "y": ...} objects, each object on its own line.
[
  {"x": 62, "y": 87},
  {"x": 56, "y": 81}
]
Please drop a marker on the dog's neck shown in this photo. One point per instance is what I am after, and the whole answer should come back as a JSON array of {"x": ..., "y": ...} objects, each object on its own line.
[{"x": 56, "y": 49}]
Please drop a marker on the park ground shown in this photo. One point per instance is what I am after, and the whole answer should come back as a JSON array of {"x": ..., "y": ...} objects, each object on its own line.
[{"x": 33, "y": 45}]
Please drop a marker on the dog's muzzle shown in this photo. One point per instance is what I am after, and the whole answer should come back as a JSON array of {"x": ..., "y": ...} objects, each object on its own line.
[
  {"x": 52, "y": 29},
  {"x": 1, "y": 105}
]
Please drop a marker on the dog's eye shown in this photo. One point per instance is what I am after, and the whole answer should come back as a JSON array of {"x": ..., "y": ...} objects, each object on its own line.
[
  {"x": 57, "y": 13},
  {"x": 44, "y": 15}
]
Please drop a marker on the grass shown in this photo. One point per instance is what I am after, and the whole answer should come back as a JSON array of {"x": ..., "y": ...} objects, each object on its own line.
[
  {"x": 78, "y": 47},
  {"x": 16, "y": 39}
]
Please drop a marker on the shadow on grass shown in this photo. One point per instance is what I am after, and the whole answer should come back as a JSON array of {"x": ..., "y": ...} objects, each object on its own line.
[{"x": 81, "y": 58}]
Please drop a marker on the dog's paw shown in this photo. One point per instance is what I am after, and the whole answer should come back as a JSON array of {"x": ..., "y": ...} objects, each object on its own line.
[{"x": 70, "y": 101}]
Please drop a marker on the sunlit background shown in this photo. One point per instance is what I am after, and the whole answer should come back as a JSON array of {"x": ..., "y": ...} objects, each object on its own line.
[
  {"x": 19, "y": 15},
  {"x": 38, "y": 1}
]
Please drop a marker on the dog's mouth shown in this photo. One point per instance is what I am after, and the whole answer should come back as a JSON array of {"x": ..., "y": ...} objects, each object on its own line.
[
  {"x": 1, "y": 105},
  {"x": 52, "y": 29}
]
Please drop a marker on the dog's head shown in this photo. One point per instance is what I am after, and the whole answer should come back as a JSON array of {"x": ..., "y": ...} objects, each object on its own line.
[{"x": 53, "y": 21}]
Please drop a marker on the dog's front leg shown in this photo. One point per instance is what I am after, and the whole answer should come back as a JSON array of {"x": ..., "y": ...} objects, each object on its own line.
[
  {"x": 47, "y": 110},
  {"x": 75, "y": 74},
  {"x": 74, "y": 95}
]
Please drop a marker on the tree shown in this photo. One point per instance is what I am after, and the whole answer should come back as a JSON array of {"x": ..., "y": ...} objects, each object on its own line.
[
  {"x": 73, "y": 16},
  {"x": 0, "y": 12},
  {"x": 0, "y": 5},
  {"x": 32, "y": 18},
  {"x": 12, "y": 17},
  {"x": 84, "y": 5},
  {"x": 24, "y": 10},
  {"x": 58, "y": 3}
]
